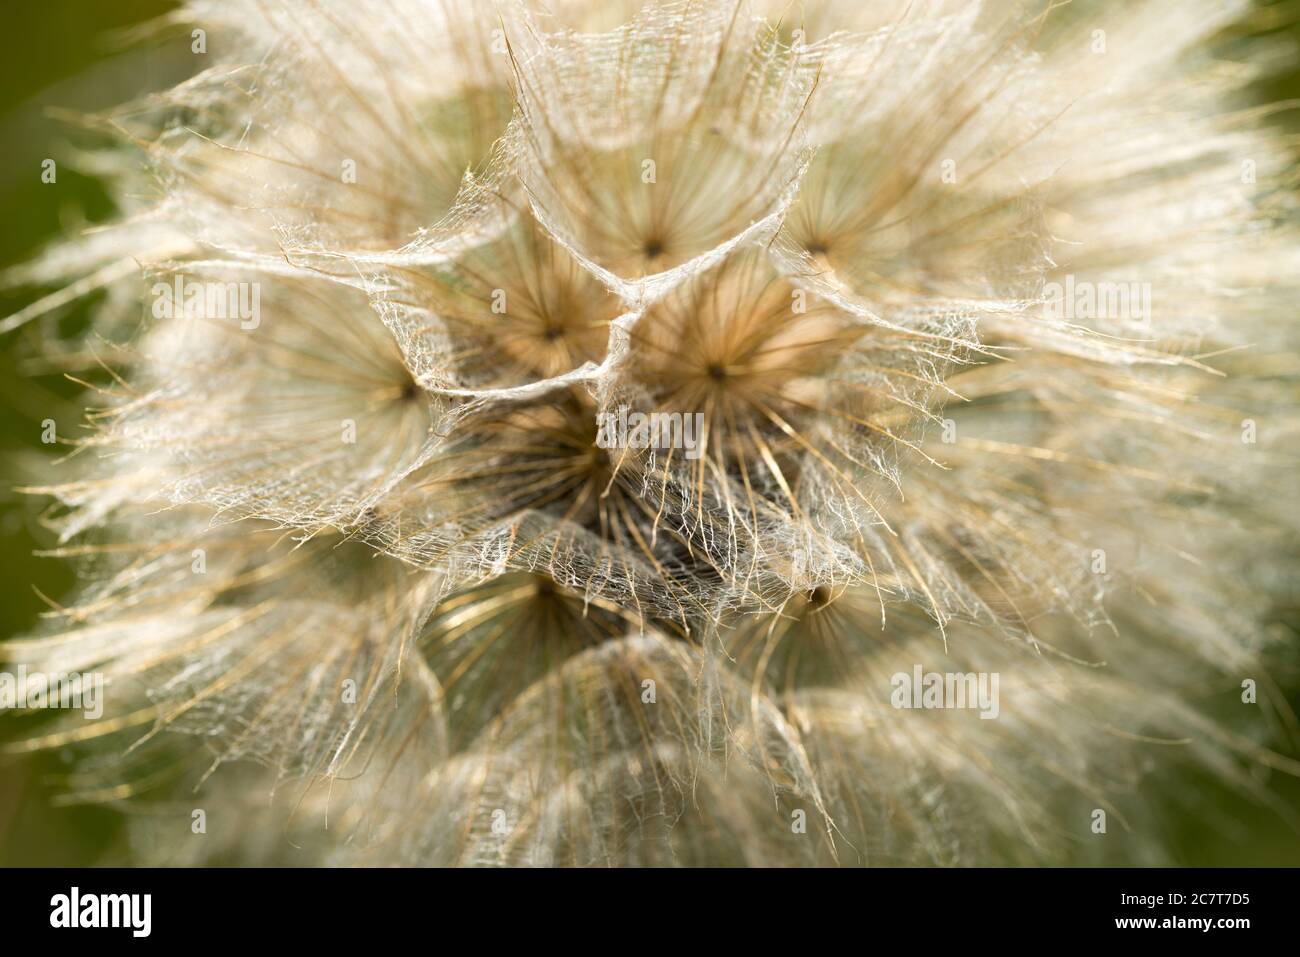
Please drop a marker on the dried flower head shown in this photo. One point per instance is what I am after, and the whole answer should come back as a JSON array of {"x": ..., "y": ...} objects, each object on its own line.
[{"x": 694, "y": 432}]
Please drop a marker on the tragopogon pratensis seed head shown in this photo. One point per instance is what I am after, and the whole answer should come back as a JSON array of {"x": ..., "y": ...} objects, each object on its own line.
[{"x": 607, "y": 433}]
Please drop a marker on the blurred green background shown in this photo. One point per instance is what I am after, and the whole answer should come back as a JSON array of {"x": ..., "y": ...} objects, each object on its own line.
[
  {"x": 68, "y": 54},
  {"x": 72, "y": 54}
]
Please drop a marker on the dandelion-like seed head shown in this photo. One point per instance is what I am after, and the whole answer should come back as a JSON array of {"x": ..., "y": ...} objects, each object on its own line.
[{"x": 569, "y": 434}]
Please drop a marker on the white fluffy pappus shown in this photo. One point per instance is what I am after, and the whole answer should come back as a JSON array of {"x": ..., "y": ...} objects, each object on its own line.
[{"x": 984, "y": 311}]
